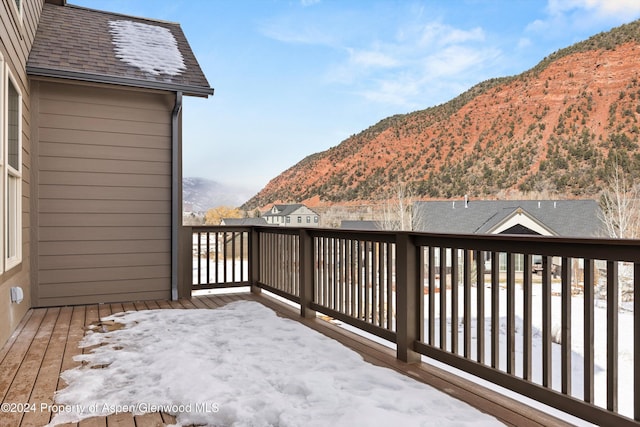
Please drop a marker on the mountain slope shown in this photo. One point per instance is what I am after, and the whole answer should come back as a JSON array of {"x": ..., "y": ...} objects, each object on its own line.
[
  {"x": 555, "y": 128},
  {"x": 200, "y": 194}
]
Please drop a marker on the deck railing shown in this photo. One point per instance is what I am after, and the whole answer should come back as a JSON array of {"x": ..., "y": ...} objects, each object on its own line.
[{"x": 519, "y": 311}]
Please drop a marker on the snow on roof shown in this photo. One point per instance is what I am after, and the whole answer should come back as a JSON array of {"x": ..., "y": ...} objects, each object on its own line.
[
  {"x": 242, "y": 365},
  {"x": 150, "y": 48}
]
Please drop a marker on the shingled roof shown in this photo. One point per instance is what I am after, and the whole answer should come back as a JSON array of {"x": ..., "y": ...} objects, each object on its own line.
[
  {"x": 567, "y": 218},
  {"x": 81, "y": 44}
]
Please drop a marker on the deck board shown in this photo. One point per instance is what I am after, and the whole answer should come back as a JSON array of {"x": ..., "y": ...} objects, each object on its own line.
[{"x": 46, "y": 341}]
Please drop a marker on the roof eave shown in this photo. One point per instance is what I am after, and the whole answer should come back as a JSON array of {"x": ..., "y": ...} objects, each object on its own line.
[{"x": 122, "y": 81}]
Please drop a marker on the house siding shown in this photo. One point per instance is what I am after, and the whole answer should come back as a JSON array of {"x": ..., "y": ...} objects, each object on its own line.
[
  {"x": 16, "y": 39},
  {"x": 103, "y": 194}
]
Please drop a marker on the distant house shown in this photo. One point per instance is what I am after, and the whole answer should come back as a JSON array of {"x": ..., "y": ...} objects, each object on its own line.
[
  {"x": 566, "y": 218},
  {"x": 295, "y": 215},
  {"x": 90, "y": 128},
  {"x": 243, "y": 221}
]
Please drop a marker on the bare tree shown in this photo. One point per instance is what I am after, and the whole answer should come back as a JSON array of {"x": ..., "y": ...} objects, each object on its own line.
[
  {"x": 619, "y": 202},
  {"x": 397, "y": 211}
]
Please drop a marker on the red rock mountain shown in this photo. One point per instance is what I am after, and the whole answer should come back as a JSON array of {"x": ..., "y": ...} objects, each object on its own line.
[{"x": 556, "y": 128}]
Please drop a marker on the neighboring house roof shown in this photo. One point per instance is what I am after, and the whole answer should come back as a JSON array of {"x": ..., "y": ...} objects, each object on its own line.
[
  {"x": 244, "y": 221},
  {"x": 360, "y": 225},
  {"x": 568, "y": 218},
  {"x": 284, "y": 210},
  {"x": 103, "y": 47}
]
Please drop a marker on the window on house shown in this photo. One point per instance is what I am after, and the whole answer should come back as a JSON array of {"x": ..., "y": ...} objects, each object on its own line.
[
  {"x": 315, "y": 219},
  {"x": 13, "y": 176},
  {"x": 299, "y": 220},
  {"x": 288, "y": 219},
  {"x": 308, "y": 220}
]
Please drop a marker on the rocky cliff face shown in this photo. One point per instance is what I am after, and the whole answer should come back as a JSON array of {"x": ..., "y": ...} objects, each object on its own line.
[{"x": 555, "y": 129}]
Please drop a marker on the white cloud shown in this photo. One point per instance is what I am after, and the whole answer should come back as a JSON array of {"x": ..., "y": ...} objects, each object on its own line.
[
  {"x": 372, "y": 59},
  {"x": 436, "y": 33},
  {"x": 605, "y": 8},
  {"x": 286, "y": 33},
  {"x": 583, "y": 15},
  {"x": 306, "y": 3},
  {"x": 524, "y": 42}
]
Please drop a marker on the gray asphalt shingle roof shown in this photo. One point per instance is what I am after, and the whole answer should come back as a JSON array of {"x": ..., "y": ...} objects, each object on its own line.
[
  {"x": 76, "y": 43},
  {"x": 568, "y": 218},
  {"x": 284, "y": 210}
]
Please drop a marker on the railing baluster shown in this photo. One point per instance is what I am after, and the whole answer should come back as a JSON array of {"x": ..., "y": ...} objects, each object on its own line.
[
  {"x": 318, "y": 270},
  {"x": 480, "y": 306},
  {"x": 511, "y": 313},
  {"x": 233, "y": 256},
  {"x": 327, "y": 268},
  {"x": 454, "y": 300},
  {"x": 546, "y": 321},
  {"x": 467, "y": 303},
  {"x": 208, "y": 264},
  {"x": 360, "y": 277},
  {"x": 390, "y": 285},
  {"x": 443, "y": 298},
  {"x": 325, "y": 271},
  {"x": 589, "y": 276},
  {"x": 374, "y": 281},
  {"x": 565, "y": 322},
  {"x": 381, "y": 281},
  {"x": 527, "y": 290},
  {"x": 354, "y": 277},
  {"x": 432, "y": 292},
  {"x": 217, "y": 258},
  {"x": 199, "y": 258},
  {"x": 612, "y": 335},
  {"x": 224, "y": 256},
  {"x": 636, "y": 341},
  {"x": 495, "y": 310},
  {"x": 367, "y": 280},
  {"x": 339, "y": 276}
]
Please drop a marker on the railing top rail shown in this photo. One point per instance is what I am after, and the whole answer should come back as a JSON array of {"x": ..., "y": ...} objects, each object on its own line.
[
  {"x": 590, "y": 248},
  {"x": 575, "y": 247}
]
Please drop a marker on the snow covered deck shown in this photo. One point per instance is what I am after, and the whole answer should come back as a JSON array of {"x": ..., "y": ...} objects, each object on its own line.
[{"x": 47, "y": 340}]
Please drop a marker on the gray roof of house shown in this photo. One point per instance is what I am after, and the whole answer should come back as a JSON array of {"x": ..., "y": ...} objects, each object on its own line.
[
  {"x": 567, "y": 218},
  {"x": 285, "y": 210},
  {"x": 76, "y": 43},
  {"x": 244, "y": 221}
]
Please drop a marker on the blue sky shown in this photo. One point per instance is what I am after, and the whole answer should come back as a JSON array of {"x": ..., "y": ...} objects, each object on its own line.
[{"x": 294, "y": 77}]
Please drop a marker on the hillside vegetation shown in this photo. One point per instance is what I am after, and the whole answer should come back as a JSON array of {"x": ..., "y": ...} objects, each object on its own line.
[{"x": 556, "y": 129}]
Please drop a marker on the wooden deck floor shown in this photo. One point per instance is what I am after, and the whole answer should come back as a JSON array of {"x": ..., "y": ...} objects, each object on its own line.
[{"x": 47, "y": 339}]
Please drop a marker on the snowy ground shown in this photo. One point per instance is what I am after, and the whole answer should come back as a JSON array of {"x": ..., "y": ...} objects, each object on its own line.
[
  {"x": 625, "y": 346},
  {"x": 241, "y": 365}
]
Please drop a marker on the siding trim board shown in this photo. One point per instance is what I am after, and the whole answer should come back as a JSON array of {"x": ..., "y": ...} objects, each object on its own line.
[{"x": 121, "y": 81}]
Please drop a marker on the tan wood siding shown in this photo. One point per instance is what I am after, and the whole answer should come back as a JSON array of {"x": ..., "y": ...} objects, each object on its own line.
[
  {"x": 16, "y": 38},
  {"x": 104, "y": 194}
]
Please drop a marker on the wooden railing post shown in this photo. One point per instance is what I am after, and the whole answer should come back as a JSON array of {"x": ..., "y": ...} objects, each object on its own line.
[
  {"x": 409, "y": 298},
  {"x": 305, "y": 268},
  {"x": 254, "y": 260},
  {"x": 185, "y": 266}
]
